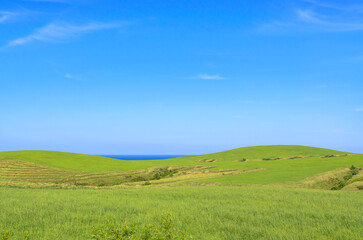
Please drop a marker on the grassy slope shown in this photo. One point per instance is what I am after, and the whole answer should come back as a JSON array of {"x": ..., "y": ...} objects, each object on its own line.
[
  {"x": 271, "y": 151},
  {"x": 64, "y": 160},
  {"x": 278, "y": 171},
  {"x": 83, "y": 162},
  {"x": 205, "y": 212}
]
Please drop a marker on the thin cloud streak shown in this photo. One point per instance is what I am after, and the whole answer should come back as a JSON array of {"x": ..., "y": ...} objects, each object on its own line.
[
  {"x": 4, "y": 16},
  {"x": 72, "y": 76},
  {"x": 51, "y": 1},
  {"x": 313, "y": 18},
  {"x": 355, "y": 8},
  {"x": 205, "y": 76},
  {"x": 310, "y": 18},
  {"x": 67, "y": 75},
  {"x": 360, "y": 109},
  {"x": 59, "y": 32},
  {"x": 307, "y": 20}
]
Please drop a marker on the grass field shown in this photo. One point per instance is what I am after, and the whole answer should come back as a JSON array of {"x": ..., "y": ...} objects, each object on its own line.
[
  {"x": 209, "y": 212},
  {"x": 265, "y": 192}
]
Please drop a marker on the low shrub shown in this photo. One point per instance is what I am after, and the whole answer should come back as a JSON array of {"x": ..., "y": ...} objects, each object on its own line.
[
  {"x": 6, "y": 235},
  {"x": 242, "y": 160},
  {"x": 271, "y": 159},
  {"x": 339, "y": 184},
  {"x": 125, "y": 231}
]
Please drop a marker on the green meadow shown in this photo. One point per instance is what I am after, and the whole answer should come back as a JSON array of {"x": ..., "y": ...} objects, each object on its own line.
[
  {"x": 209, "y": 212},
  {"x": 264, "y": 192}
]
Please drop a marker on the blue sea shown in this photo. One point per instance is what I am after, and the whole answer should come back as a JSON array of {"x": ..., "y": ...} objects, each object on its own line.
[{"x": 142, "y": 157}]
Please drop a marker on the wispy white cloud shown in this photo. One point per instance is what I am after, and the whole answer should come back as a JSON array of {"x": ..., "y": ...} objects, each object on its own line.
[
  {"x": 205, "y": 76},
  {"x": 72, "y": 76},
  {"x": 4, "y": 16},
  {"x": 52, "y": 1},
  {"x": 67, "y": 75},
  {"x": 59, "y": 32},
  {"x": 313, "y": 18},
  {"x": 338, "y": 19},
  {"x": 341, "y": 7},
  {"x": 359, "y": 109}
]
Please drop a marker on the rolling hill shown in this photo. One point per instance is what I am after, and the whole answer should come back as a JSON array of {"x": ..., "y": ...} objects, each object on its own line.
[{"x": 276, "y": 164}]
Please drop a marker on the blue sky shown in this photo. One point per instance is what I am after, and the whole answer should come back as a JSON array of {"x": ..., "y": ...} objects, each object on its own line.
[{"x": 180, "y": 77}]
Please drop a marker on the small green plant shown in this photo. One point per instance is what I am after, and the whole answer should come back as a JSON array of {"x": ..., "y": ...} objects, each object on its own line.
[
  {"x": 6, "y": 235},
  {"x": 156, "y": 176},
  {"x": 26, "y": 235},
  {"x": 123, "y": 231},
  {"x": 147, "y": 183},
  {"x": 338, "y": 184},
  {"x": 354, "y": 170},
  {"x": 360, "y": 187},
  {"x": 164, "y": 231}
]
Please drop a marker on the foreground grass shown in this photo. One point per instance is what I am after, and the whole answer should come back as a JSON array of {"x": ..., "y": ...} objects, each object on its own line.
[{"x": 205, "y": 212}]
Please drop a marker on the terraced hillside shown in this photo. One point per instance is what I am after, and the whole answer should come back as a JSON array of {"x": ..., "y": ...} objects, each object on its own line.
[{"x": 269, "y": 165}]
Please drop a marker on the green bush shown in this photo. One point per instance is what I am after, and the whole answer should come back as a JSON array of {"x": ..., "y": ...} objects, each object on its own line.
[
  {"x": 164, "y": 231},
  {"x": 6, "y": 235},
  {"x": 352, "y": 168}
]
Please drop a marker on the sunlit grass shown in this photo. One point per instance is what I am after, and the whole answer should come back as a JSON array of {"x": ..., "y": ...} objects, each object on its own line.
[{"x": 204, "y": 212}]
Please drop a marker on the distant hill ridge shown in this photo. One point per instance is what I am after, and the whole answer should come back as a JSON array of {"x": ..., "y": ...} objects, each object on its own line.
[
  {"x": 271, "y": 151},
  {"x": 84, "y": 162}
]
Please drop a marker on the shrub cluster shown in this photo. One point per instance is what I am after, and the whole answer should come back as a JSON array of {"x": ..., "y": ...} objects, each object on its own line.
[
  {"x": 7, "y": 235},
  {"x": 339, "y": 184},
  {"x": 242, "y": 160},
  {"x": 164, "y": 231},
  {"x": 270, "y": 159},
  {"x": 163, "y": 172}
]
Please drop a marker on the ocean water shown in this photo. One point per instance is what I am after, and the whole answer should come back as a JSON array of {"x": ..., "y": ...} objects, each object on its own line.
[{"x": 142, "y": 157}]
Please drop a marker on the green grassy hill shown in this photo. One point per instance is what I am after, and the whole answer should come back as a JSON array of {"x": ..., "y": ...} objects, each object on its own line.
[
  {"x": 84, "y": 162},
  {"x": 270, "y": 151},
  {"x": 250, "y": 165},
  {"x": 64, "y": 160}
]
